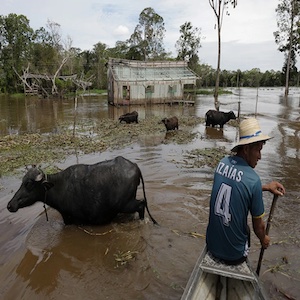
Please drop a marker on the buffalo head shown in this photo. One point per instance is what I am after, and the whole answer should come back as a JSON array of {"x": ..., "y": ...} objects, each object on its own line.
[
  {"x": 231, "y": 115},
  {"x": 32, "y": 189}
]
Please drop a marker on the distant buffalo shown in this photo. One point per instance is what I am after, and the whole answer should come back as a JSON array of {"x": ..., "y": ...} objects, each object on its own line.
[
  {"x": 170, "y": 123},
  {"x": 129, "y": 117},
  {"x": 214, "y": 117}
]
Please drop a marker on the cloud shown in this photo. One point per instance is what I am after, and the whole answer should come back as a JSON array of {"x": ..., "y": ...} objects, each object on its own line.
[
  {"x": 244, "y": 56},
  {"x": 121, "y": 31}
]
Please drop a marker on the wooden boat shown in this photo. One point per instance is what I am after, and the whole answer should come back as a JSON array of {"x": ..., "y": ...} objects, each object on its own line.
[{"x": 213, "y": 280}]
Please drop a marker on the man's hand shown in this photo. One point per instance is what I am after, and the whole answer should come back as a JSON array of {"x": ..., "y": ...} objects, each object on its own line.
[
  {"x": 265, "y": 242},
  {"x": 275, "y": 188}
]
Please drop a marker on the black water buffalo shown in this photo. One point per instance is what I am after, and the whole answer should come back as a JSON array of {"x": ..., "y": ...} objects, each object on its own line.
[
  {"x": 170, "y": 123},
  {"x": 129, "y": 117},
  {"x": 214, "y": 117},
  {"x": 85, "y": 194}
]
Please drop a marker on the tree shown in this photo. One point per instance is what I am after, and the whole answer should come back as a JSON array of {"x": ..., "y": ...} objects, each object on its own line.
[
  {"x": 100, "y": 58},
  {"x": 271, "y": 78},
  {"x": 252, "y": 78},
  {"x": 120, "y": 50},
  {"x": 287, "y": 37},
  {"x": 206, "y": 74},
  {"x": 55, "y": 34},
  {"x": 219, "y": 7},
  {"x": 64, "y": 52},
  {"x": 188, "y": 44},
  {"x": 42, "y": 54},
  {"x": 148, "y": 35},
  {"x": 15, "y": 41}
]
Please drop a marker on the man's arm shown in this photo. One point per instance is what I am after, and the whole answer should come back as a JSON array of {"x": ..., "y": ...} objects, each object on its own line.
[{"x": 260, "y": 231}]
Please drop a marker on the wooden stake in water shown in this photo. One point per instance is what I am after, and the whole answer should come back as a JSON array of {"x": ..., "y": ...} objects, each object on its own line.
[{"x": 256, "y": 102}]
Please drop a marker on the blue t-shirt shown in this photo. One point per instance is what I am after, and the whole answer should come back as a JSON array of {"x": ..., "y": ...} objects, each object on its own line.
[{"x": 236, "y": 190}]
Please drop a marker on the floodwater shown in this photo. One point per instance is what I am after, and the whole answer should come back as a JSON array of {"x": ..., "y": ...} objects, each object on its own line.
[{"x": 43, "y": 259}]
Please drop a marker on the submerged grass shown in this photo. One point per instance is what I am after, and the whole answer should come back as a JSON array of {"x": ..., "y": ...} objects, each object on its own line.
[
  {"x": 123, "y": 258},
  {"x": 210, "y": 157},
  {"x": 22, "y": 150}
]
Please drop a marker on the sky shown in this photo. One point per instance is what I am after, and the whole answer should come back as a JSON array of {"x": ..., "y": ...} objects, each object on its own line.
[{"x": 247, "y": 32}]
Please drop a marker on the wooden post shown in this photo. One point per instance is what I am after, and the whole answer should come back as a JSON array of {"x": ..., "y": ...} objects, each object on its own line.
[
  {"x": 256, "y": 102},
  {"x": 239, "y": 109}
]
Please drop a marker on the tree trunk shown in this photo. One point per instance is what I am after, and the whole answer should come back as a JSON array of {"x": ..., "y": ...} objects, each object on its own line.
[
  {"x": 23, "y": 79},
  {"x": 216, "y": 92},
  {"x": 288, "y": 63},
  {"x": 54, "y": 87},
  {"x": 287, "y": 75}
]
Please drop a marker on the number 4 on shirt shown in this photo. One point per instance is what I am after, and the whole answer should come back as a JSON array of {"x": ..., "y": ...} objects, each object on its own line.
[{"x": 222, "y": 203}]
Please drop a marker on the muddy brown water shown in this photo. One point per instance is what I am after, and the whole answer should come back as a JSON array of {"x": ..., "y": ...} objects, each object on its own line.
[{"x": 47, "y": 260}]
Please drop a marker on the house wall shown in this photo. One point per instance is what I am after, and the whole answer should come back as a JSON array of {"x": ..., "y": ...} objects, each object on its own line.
[{"x": 140, "y": 94}]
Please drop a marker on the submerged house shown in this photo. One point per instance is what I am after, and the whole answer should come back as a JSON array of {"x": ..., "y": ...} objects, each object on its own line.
[{"x": 140, "y": 82}]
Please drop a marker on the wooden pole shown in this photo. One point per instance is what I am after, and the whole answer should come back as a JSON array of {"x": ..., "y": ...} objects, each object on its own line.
[
  {"x": 256, "y": 102},
  {"x": 267, "y": 232}
]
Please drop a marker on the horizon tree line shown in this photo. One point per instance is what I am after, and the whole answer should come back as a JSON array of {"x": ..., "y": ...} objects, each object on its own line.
[{"x": 44, "y": 51}]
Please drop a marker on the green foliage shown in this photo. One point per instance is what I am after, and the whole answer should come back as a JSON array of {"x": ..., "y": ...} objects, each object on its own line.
[
  {"x": 147, "y": 38},
  {"x": 288, "y": 18},
  {"x": 63, "y": 85},
  {"x": 287, "y": 37},
  {"x": 99, "y": 58},
  {"x": 15, "y": 37},
  {"x": 188, "y": 44},
  {"x": 42, "y": 52},
  {"x": 209, "y": 92}
]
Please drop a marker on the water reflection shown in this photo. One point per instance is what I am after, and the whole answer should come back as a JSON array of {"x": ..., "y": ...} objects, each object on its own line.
[
  {"x": 35, "y": 115},
  {"x": 214, "y": 133},
  {"x": 58, "y": 261},
  {"x": 58, "y": 256}
]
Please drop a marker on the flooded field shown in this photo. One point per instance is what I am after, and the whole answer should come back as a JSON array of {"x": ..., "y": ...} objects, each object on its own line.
[{"x": 43, "y": 259}]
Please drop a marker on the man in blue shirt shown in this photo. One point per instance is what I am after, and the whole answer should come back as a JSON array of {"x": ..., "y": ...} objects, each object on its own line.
[{"x": 237, "y": 189}]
